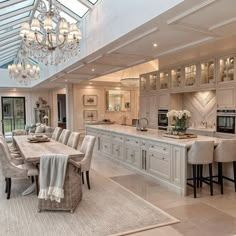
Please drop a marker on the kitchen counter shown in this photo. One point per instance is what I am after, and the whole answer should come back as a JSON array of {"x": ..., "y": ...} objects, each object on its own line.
[{"x": 153, "y": 134}]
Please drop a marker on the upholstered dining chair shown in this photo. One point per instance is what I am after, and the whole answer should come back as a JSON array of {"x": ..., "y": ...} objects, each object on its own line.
[
  {"x": 225, "y": 152},
  {"x": 87, "y": 148},
  {"x": 10, "y": 170},
  {"x": 56, "y": 133},
  {"x": 201, "y": 153},
  {"x": 65, "y": 134},
  {"x": 15, "y": 158},
  {"x": 73, "y": 140}
]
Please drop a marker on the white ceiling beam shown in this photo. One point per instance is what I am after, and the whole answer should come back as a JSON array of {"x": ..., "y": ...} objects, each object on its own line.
[
  {"x": 12, "y": 48},
  {"x": 6, "y": 60},
  {"x": 88, "y": 4},
  {"x": 11, "y": 32},
  {"x": 70, "y": 13},
  {"x": 10, "y": 45},
  {"x": 8, "y": 53},
  {"x": 9, "y": 3},
  {"x": 17, "y": 12},
  {"x": 10, "y": 40}
]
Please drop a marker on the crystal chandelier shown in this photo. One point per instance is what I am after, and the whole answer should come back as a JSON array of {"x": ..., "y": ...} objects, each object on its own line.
[
  {"x": 22, "y": 71},
  {"x": 50, "y": 39}
]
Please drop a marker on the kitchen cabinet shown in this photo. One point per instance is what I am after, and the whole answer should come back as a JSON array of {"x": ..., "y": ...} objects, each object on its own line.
[
  {"x": 226, "y": 67},
  {"x": 190, "y": 75},
  {"x": 176, "y": 76},
  {"x": 164, "y": 77},
  {"x": 207, "y": 72},
  {"x": 225, "y": 97},
  {"x": 118, "y": 147},
  {"x": 163, "y": 100},
  {"x": 148, "y": 82}
]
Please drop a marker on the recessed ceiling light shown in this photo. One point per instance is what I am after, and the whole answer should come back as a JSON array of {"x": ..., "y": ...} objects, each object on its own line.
[
  {"x": 155, "y": 45},
  {"x": 92, "y": 69},
  {"x": 90, "y": 83},
  {"x": 66, "y": 80}
]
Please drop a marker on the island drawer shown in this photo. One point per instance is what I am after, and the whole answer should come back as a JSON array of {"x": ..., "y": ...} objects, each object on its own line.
[
  {"x": 104, "y": 134},
  {"x": 161, "y": 148},
  {"x": 132, "y": 141},
  {"x": 117, "y": 138}
]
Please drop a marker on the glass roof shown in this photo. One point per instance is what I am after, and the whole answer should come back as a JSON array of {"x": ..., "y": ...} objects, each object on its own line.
[
  {"x": 14, "y": 12},
  {"x": 5, "y": 66},
  {"x": 15, "y": 7}
]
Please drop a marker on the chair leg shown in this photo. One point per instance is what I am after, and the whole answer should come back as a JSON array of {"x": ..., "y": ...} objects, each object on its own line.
[
  {"x": 201, "y": 171},
  {"x": 234, "y": 163},
  {"x": 198, "y": 175},
  {"x": 211, "y": 183},
  {"x": 6, "y": 185},
  {"x": 87, "y": 179},
  {"x": 8, "y": 188},
  {"x": 82, "y": 176},
  {"x": 36, "y": 179},
  {"x": 220, "y": 174},
  {"x": 32, "y": 179},
  {"x": 194, "y": 181}
]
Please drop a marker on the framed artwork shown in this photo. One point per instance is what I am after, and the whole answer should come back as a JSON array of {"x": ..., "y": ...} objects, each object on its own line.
[
  {"x": 90, "y": 100},
  {"x": 90, "y": 115}
]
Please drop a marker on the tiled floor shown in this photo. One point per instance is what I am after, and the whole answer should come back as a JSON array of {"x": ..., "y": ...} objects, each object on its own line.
[{"x": 206, "y": 215}]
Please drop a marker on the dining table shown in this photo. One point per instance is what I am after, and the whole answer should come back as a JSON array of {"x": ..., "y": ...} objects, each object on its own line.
[{"x": 32, "y": 151}]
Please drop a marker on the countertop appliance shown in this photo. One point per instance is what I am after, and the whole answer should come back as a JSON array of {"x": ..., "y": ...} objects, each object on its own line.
[
  {"x": 225, "y": 121},
  {"x": 162, "y": 119}
]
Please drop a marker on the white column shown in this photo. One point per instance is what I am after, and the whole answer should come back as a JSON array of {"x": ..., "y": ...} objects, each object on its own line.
[{"x": 69, "y": 107}]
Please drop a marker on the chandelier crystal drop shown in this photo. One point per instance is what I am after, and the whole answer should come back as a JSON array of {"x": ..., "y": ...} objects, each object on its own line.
[
  {"x": 50, "y": 39},
  {"x": 22, "y": 71}
]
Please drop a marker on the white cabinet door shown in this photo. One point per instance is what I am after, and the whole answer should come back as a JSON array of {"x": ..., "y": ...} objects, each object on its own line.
[
  {"x": 177, "y": 170},
  {"x": 163, "y": 100},
  {"x": 118, "y": 151},
  {"x": 152, "y": 111},
  {"x": 105, "y": 146},
  {"x": 132, "y": 156},
  {"x": 158, "y": 165},
  {"x": 144, "y": 107},
  {"x": 225, "y": 98}
]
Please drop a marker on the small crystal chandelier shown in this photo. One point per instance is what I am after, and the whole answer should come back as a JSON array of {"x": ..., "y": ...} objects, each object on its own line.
[
  {"x": 22, "y": 71},
  {"x": 50, "y": 39}
]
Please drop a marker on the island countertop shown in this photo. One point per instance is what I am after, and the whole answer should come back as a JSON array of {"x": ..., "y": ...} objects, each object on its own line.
[{"x": 152, "y": 134}]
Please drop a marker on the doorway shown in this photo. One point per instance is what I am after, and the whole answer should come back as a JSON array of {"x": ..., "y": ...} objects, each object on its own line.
[
  {"x": 61, "y": 107},
  {"x": 13, "y": 114}
]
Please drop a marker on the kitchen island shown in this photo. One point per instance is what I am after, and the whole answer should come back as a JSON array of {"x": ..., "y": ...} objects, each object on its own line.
[{"x": 149, "y": 153}]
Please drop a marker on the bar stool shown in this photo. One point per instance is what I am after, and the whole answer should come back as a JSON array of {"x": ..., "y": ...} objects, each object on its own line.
[
  {"x": 225, "y": 152},
  {"x": 201, "y": 153}
]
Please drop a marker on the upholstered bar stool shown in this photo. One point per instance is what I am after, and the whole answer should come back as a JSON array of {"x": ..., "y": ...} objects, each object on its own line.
[
  {"x": 201, "y": 153},
  {"x": 225, "y": 152}
]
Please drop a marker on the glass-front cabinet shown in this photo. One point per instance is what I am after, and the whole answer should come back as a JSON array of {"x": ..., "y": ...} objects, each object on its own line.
[
  {"x": 176, "y": 77},
  {"x": 153, "y": 81},
  {"x": 207, "y": 72},
  {"x": 143, "y": 82},
  {"x": 190, "y": 75},
  {"x": 164, "y": 79},
  {"x": 226, "y": 69}
]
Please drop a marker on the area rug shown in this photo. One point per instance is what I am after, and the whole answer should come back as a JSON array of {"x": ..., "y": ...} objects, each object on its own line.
[{"x": 106, "y": 209}]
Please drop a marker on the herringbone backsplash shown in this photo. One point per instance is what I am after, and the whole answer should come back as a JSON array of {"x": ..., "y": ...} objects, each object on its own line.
[{"x": 202, "y": 106}]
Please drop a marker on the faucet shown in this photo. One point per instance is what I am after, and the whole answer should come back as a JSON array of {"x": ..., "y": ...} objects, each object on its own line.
[{"x": 140, "y": 126}]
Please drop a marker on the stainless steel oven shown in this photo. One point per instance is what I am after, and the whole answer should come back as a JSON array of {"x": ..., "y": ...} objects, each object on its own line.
[
  {"x": 225, "y": 121},
  {"x": 162, "y": 119}
]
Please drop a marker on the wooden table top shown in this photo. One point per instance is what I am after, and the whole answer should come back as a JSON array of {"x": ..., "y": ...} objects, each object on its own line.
[{"x": 32, "y": 151}]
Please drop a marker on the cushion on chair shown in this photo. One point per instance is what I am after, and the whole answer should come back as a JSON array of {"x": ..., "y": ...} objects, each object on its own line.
[{"x": 40, "y": 129}]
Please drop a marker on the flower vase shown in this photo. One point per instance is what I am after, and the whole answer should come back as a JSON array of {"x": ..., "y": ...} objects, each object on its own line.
[{"x": 180, "y": 126}]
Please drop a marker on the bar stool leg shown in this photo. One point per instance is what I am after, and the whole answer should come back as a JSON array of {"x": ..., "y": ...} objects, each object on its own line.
[
  {"x": 220, "y": 174},
  {"x": 211, "y": 183},
  {"x": 198, "y": 175},
  {"x": 194, "y": 181},
  {"x": 201, "y": 171},
  {"x": 234, "y": 163}
]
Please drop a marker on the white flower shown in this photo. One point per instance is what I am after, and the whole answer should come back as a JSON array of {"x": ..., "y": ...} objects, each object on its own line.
[{"x": 179, "y": 114}]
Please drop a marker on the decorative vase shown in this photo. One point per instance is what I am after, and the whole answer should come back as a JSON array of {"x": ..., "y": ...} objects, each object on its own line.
[{"x": 180, "y": 126}]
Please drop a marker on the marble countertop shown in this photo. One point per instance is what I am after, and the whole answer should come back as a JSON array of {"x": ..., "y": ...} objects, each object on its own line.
[
  {"x": 153, "y": 134},
  {"x": 202, "y": 129}
]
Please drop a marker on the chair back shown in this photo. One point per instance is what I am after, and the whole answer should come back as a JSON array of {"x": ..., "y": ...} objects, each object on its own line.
[
  {"x": 225, "y": 151},
  {"x": 9, "y": 169},
  {"x": 56, "y": 133},
  {"x": 65, "y": 134},
  {"x": 87, "y": 149},
  {"x": 73, "y": 140},
  {"x": 19, "y": 132},
  {"x": 201, "y": 152}
]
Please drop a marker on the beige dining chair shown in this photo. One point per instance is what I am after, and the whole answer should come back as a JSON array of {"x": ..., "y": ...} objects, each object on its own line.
[
  {"x": 225, "y": 152},
  {"x": 73, "y": 140},
  {"x": 201, "y": 153},
  {"x": 87, "y": 148},
  {"x": 65, "y": 134},
  {"x": 56, "y": 133},
  {"x": 11, "y": 171}
]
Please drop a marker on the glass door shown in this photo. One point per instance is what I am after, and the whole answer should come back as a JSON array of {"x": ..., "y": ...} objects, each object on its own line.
[{"x": 13, "y": 114}]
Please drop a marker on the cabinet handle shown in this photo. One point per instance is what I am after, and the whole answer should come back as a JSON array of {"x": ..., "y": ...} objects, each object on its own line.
[
  {"x": 127, "y": 139},
  {"x": 142, "y": 159},
  {"x": 137, "y": 142},
  {"x": 131, "y": 155},
  {"x": 117, "y": 150},
  {"x": 164, "y": 149},
  {"x": 145, "y": 160},
  {"x": 163, "y": 158},
  {"x": 98, "y": 143},
  {"x": 105, "y": 146},
  {"x": 120, "y": 138},
  {"x": 152, "y": 155}
]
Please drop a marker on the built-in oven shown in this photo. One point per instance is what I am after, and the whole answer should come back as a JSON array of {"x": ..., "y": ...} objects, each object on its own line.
[
  {"x": 225, "y": 121},
  {"x": 162, "y": 119}
]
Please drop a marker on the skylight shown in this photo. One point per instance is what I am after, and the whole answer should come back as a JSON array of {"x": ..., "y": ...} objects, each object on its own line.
[
  {"x": 5, "y": 66},
  {"x": 14, "y": 18},
  {"x": 75, "y": 6},
  {"x": 93, "y": 1},
  {"x": 8, "y": 29},
  {"x": 67, "y": 17},
  {"x": 16, "y": 7}
]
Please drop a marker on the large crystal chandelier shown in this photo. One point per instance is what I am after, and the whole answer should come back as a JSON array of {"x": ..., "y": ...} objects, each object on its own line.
[
  {"x": 22, "y": 71},
  {"x": 50, "y": 39}
]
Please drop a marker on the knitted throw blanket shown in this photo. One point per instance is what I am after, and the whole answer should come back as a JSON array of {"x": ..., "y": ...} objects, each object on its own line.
[{"x": 52, "y": 176}]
